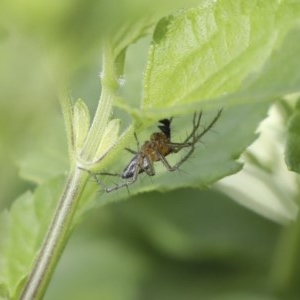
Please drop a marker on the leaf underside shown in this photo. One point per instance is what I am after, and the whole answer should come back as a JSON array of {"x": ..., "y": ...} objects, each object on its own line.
[{"x": 221, "y": 53}]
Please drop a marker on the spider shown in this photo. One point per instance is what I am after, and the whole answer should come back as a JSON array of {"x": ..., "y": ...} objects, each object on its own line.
[{"x": 156, "y": 149}]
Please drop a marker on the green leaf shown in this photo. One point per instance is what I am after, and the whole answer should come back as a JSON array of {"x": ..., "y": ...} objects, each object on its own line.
[
  {"x": 292, "y": 151},
  {"x": 280, "y": 75},
  {"x": 22, "y": 231},
  {"x": 66, "y": 105},
  {"x": 109, "y": 138},
  {"x": 130, "y": 31},
  {"x": 139, "y": 21},
  {"x": 210, "y": 51},
  {"x": 4, "y": 294},
  {"x": 81, "y": 123},
  {"x": 198, "y": 54},
  {"x": 215, "y": 156}
]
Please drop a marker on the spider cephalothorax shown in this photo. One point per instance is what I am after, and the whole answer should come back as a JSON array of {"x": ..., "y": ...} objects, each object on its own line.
[{"x": 156, "y": 149}]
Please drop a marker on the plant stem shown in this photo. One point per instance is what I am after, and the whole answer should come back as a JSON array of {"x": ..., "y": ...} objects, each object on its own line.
[
  {"x": 61, "y": 225},
  {"x": 286, "y": 261},
  {"x": 56, "y": 237},
  {"x": 103, "y": 112}
]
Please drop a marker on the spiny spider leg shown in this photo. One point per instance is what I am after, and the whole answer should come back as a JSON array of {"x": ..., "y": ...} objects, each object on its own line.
[
  {"x": 131, "y": 151},
  {"x": 182, "y": 160},
  {"x": 196, "y": 125},
  {"x": 98, "y": 181},
  {"x": 138, "y": 166},
  {"x": 138, "y": 146},
  {"x": 108, "y": 174},
  {"x": 137, "y": 141},
  {"x": 94, "y": 175},
  {"x": 117, "y": 186},
  {"x": 212, "y": 123},
  {"x": 197, "y": 138},
  {"x": 179, "y": 146},
  {"x": 103, "y": 186},
  {"x": 166, "y": 163}
]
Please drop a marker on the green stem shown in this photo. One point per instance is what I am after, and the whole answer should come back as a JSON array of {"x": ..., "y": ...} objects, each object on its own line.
[
  {"x": 99, "y": 124},
  {"x": 56, "y": 238},
  {"x": 103, "y": 112},
  {"x": 60, "y": 227},
  {"x": 284, "y": 274}
]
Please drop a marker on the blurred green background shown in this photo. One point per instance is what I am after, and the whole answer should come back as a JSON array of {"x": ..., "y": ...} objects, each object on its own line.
[{"x": 185, "y": 244}]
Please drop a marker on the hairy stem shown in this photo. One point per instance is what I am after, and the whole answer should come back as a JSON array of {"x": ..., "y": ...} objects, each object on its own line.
[
  {"x": 56, "y": 238},
  {"x": 103, "y": 112},
  {"x": 286, "y": 261},
  {"x": 61, "y": 225}
]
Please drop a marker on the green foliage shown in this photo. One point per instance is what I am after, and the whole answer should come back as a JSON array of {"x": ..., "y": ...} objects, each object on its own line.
[
  {"x": 22, "y": 231},
  {"x": 293, "y": 142},
  {"x": 235, "y": 55},
  {"x": 211, "y": 50},
  {"x": 184, "y": 244},
  {"x": 214, "y": 159}
]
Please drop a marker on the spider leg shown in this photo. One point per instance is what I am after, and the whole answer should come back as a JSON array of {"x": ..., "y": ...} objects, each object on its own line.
[
  {"x": 179, "y": 163},
  {"x": 131, "y": 151},
  {"x": 176, "y": 147},
  {"x": 106, "y": 174},
  {"x": 165, "y": 162},
  {"x": 99, "y": 182},
  {"x": 117, "y": 186},
  {"x": 195, "y": 138},
  {"x": 137, "y": 142},
  {"x": 196, "y": 124},
  {"x": 186, "y": 157},
  {"x": 150, "y": 167},
  {"x": 121, "y": 185},
  {"x": 212, "y": 123}
]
